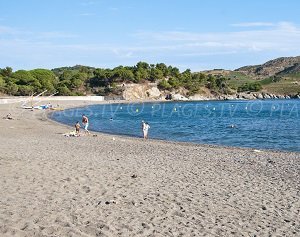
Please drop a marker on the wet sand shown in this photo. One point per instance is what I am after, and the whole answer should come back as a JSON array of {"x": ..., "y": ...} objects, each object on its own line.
[{"x": 109, "y": 185}]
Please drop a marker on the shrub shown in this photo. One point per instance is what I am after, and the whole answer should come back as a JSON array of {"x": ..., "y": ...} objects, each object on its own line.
[{"x": 250, "y": 87}]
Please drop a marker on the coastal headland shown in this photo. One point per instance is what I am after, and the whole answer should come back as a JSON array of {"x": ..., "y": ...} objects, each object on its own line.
[{"x": 108, "y": 185}]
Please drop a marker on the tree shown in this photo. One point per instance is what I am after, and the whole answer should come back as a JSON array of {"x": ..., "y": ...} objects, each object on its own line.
[
  {"x": 174, "y": 82},
  {"x": 66, "y": 75},
  {"x": 123, "y": 74},
  {"x": 25, "y": 90},
  {"x": 221, "y": 82},
  {"x": 46, "y": 78},
  {"x": 2, "y": 84},
  {"x": 142, "y": 65},
  {"x": 163, "y": 68},
  {"x": 174, "y": 71},
  {"x": 6, "y": 72},
  {"x": 211, "y": 82},
  {"x": 11, "y": 88},
  {"x": 156, "y": 74},
  {"x": 199, "y": 77},
  {"x": 78, "y": 80},
  {"x": 186, "y": 77},
  {"x": 250, "y": 87},
  {"x": 63, "y": 90},
  {"x": 164, "y": 85},
  {"x": 141, "y": 74},
  {"x": 24, "y": 78}
]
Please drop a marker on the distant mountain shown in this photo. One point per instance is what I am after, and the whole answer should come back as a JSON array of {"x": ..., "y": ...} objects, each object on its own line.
[{"x": 280, "y": 66}]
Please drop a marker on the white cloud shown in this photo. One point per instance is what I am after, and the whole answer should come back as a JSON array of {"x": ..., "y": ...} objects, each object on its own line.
[
  {"x": 87, "y": 14},
  {"x": 252, "y": 24},
  {"x": 288, "y": 26},
  {"x": 6, "y": 30},
  {"x": 281, "y": 35},
  {"x": 55, "y": 35},
  {"x": 23, "y": 35},
  {"x": 40, "y": 49}
]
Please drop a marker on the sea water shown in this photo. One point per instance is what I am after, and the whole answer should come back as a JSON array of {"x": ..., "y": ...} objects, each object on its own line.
[{"x": 260, "y": 124}]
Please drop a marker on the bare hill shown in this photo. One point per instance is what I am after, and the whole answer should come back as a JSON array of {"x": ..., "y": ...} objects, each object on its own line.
[{"x": 282, "y": 66}]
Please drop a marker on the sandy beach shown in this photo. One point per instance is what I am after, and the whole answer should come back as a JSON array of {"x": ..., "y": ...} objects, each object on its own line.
[{"x": 108, "y": 185}]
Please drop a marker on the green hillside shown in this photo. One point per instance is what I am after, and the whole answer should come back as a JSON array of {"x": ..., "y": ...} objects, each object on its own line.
[{"x": 278, "y": 76}]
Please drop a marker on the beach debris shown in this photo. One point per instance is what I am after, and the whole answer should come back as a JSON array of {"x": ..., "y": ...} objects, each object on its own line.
[
  {"x": 134, "y": 176},
  {"x": 146, "y": 226},
  {"x": 113, "y": 138},
  {"x": 257, "y": 151},
  {"x": 270, "y": 161},
  {"x": 108, "y": 202},
  {"x": 24, "y": 226}
]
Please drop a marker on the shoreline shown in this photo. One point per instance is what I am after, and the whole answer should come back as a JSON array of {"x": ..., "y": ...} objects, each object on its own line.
[
  {"x": 86, "y": 186},
  {"x": 207, "y": 145},
  {"x": 165, "y": 140}
]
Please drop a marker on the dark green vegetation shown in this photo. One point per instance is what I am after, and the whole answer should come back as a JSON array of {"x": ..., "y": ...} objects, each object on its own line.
[
  {"x": 82, "y": 80},
  {"x": 278, "y": 76}
]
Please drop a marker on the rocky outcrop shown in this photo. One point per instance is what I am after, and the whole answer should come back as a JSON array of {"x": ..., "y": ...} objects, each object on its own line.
[
  {"x": 153, "y": 92},
  {"x": 150, "y": 91},
  {"x": 140, "y": 91},
  {"x": 201, "y": 97},
  {"x": 179, "y": 97}
]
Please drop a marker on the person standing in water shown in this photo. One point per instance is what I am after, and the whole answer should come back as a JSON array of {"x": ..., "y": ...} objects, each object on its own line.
[
  {"x": 145, "y": 129},
  {"x": 85, "y": 123}
]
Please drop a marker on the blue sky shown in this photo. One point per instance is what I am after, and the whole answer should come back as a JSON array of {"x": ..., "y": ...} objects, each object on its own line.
[{"x": 193, "y": 34}]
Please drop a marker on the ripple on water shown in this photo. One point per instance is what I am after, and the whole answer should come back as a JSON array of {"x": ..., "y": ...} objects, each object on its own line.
[{"x": 271, "y": 124}]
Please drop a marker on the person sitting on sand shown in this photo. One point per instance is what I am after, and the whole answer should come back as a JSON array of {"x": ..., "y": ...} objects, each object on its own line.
[
  {"x": 77, "y": 127},
  {"x": 85, "y": 122},
  {"x": 145, "y": 129},
  {"x": 8, "y": 117}
]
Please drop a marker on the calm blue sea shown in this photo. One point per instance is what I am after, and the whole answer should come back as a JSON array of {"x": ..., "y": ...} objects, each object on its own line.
[{"x": 261, "y": 124}]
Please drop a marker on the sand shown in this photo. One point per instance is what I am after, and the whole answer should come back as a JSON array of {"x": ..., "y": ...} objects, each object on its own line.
[{"x": 108, "y": 185}]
